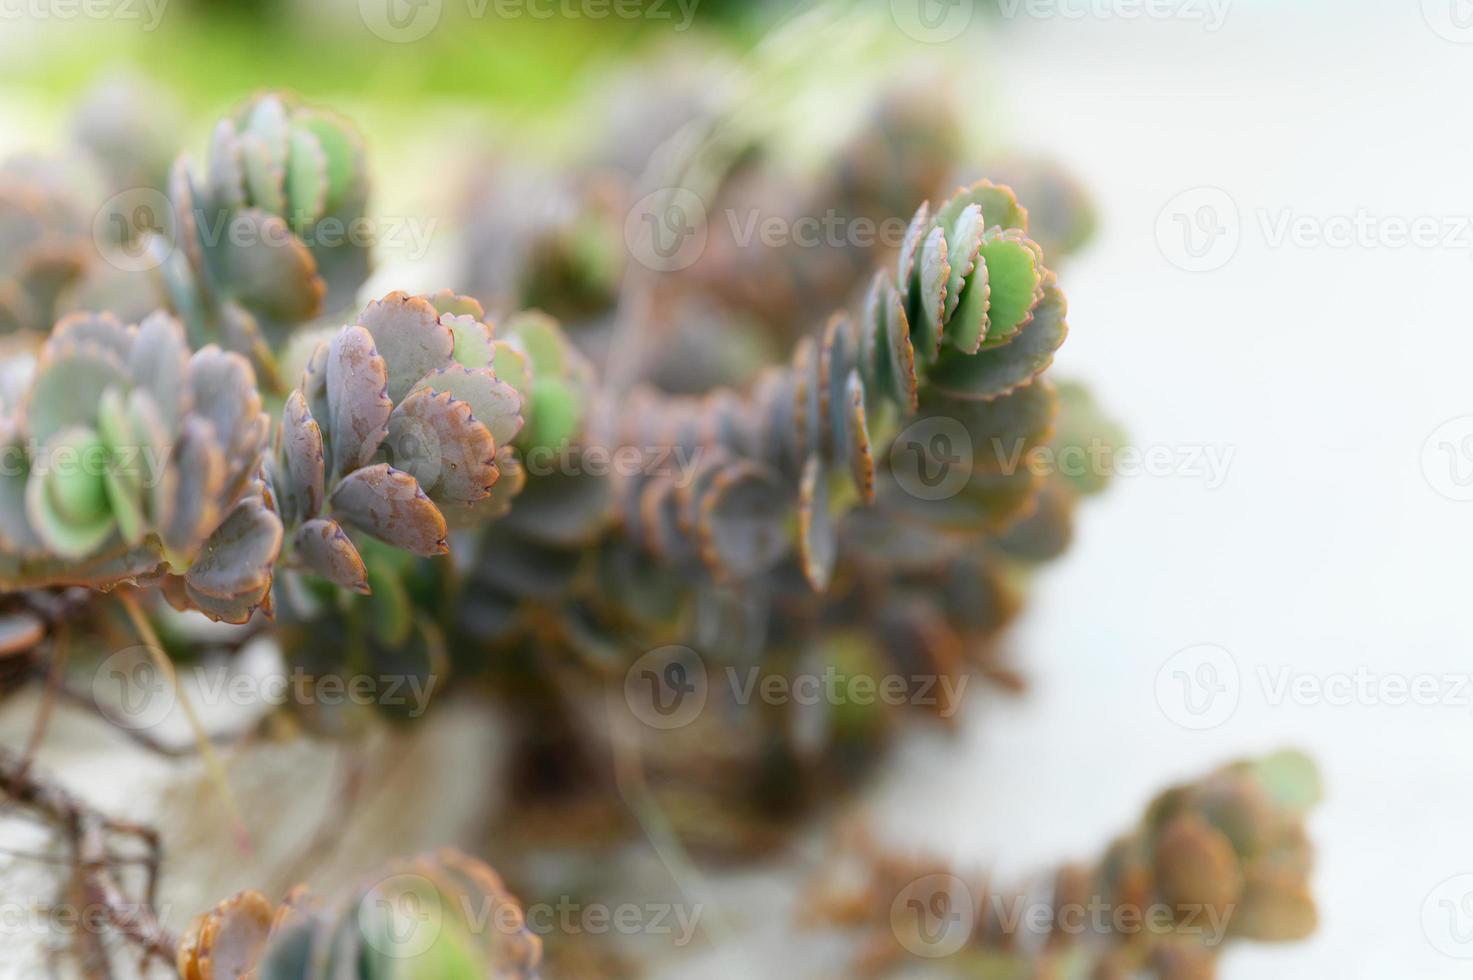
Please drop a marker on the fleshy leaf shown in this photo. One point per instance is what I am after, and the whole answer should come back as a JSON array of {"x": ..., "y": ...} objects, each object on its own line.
[
  {"x": 68, "y": 382},
  {"x": 359, "y": 407},
  {"x": 410, "y": 337},
  {"x": 434, "y": 438},
  {"x": 1015, "y": 279},
  {"x": 817, "y": 535},
  {"x": 324, "y": 547},
  {"x": 239, "y": 557},
  {"x": 493, "y": 402},
  {"x": 995, "y": 372},
  {"x": 302, "y": 456},
  {"x": 743, "y": 520},
  {"x": 391, "y": 506},
  {"x": 187, "y": 511},
  {"x": 928, "y": 296},
  {"x": 269, "y": 269}
]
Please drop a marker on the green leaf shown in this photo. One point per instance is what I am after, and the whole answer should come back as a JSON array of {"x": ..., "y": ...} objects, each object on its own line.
[
  {"x": 997, "y": 371},
  {"x": 1015, "y": 279}
]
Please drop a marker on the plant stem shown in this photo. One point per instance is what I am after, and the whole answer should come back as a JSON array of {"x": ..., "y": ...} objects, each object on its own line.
[{"x": 207, "y": 752}]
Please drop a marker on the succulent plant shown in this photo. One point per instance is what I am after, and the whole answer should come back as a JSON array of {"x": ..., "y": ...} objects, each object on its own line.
[
  {"x": 45, "y": 248},
  {"x": 401, "y": 421},
  {"x": 128, "y": 125},
  {"x": 269, "y": 237},
  {"x": 780, "y": 524},
  {"x": 1223, "y": 858},
  {"x": 128, "y": 459},
  {"x": 443, "y": 916},
  {"x": 961, "y": 344}
]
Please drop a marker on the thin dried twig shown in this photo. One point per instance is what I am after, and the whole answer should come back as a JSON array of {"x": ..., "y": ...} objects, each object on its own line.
[{"x": 96, "y": 881}]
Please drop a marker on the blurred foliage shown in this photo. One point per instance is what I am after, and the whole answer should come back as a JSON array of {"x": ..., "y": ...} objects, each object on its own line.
[{"x": 211, "y": 50}]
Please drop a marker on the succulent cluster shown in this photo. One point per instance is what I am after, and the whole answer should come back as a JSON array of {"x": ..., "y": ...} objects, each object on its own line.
[
  {"x": 441, "y": 916},
  {"x": 789, "y": 525},
  {"x": 1220, "y": 859},
  {"x": 869, "y": 508},
  {"x": 935, "y": 341},
  {"x": 128, "y": 458},
  {"x": 269, "y": 236},
  {"x": 399, "y": 415},
  {"x": 52, "y": 219},
  {"x": 413, "y": 424}
]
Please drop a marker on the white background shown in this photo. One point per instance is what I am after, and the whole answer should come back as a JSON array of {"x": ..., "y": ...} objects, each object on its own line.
[{"x": 1326, "y": 369}]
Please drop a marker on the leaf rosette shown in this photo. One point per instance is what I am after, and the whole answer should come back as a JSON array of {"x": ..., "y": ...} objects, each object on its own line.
[{"x": 127, "y": 458}]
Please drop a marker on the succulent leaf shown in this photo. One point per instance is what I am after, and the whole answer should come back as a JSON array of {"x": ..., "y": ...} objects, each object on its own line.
[
  {"x": 358, "y": 404},
  {"x": 435, "y": 438},
  {"x": 390, "y": 505},
  {"x": 238, "y": 558},
  {"x": 325, "y": 548},
  {"x": 410, "y": 337}
]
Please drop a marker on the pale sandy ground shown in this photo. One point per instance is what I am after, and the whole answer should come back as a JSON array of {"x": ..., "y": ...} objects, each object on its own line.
[{"x": 1326, "y": 549}]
